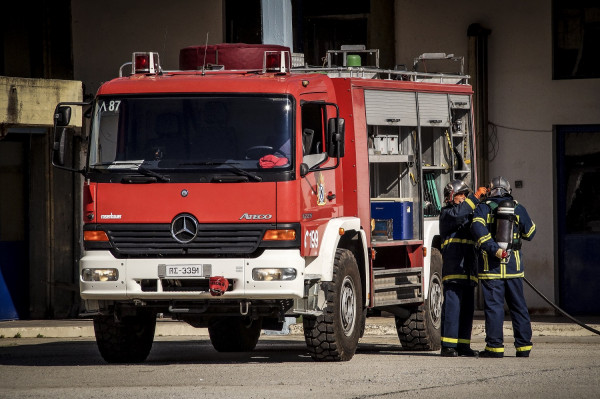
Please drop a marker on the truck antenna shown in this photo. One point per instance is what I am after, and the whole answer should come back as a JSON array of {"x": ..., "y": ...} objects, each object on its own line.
[{"x": 205, "y": 48}]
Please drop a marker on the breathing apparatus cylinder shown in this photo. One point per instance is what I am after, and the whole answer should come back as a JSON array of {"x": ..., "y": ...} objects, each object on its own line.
[{"x": 505, "y": 216}]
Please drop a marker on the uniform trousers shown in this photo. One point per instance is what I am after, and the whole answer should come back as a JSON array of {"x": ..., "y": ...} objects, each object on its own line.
[
  {"x": 457, "y": 314},
  {"x": 495, "y": 291}
]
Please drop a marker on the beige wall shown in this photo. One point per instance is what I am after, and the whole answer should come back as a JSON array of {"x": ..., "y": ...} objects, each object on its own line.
[
  {"x": 106, "y": 33},
  {"x": 522, "y": 95}
]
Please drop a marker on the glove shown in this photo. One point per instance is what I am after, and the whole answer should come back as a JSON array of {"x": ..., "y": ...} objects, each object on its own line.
[
  {"x": 501, "y": 253},
  {"x": 481, "y": 192}
]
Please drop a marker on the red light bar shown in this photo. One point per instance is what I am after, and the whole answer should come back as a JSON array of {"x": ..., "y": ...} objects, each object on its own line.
[{"x": 146, "y": 63}]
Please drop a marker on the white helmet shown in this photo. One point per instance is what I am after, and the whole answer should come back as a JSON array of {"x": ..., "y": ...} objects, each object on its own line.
[{"x": 499, "y": 187}]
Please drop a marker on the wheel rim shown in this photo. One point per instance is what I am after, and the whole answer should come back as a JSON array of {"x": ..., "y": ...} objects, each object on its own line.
[
  {"x": 435, "y": 301},
  {"x": 348, "y": 306}
]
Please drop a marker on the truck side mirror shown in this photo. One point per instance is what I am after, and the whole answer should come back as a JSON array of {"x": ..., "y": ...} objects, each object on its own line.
[
  {"x": 62, "y": 119},
  {"x": 58, "y": 149},
  {"x": 336, "y": 129},
  {"x": 62, "y": 116}
]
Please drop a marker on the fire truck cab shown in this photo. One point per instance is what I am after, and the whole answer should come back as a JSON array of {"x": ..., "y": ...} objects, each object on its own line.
[{"x": 240, "y": 190}]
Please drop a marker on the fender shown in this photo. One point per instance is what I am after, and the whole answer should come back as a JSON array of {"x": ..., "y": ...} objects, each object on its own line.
[
  {"x": 431, "y": 229},
  {"x": 322, "y": 265}
]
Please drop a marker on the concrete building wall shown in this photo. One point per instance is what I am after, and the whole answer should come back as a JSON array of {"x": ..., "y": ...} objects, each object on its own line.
[
  {"x": 522, "y": 97},
  {"x": 105, "y": 34}
]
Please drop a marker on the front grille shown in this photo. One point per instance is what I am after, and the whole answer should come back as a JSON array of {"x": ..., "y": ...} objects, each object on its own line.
[{"x": 212, "y": 239}]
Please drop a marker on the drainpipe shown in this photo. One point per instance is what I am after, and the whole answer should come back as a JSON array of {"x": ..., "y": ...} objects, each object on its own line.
[
  {"x": 478, "y": 70},
  {"x": 277, "y": 22}
]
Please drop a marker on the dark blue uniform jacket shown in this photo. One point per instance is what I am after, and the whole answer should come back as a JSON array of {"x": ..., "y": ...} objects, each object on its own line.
[
  {"x": 458, "y": 246},
  {"x": 491, "y": 267}
]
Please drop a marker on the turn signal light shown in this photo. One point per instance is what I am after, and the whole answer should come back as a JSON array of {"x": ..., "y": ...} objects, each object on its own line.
[
  {"x": 95, "y": 235},
  {"x": 280, "y": 235}
]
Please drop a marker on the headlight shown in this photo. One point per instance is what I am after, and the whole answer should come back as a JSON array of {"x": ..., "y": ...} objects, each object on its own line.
[
  {"x": 99, "y": 274},
  {"x": 272, "y": 274}
]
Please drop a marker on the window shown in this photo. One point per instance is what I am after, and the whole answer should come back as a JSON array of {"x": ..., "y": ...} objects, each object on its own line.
[
  {"x": 576, "y": 34},
  {"x": 313, "y": 120}
]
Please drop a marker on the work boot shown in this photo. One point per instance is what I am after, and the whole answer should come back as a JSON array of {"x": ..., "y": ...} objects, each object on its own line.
[
  {"x": 491, "y": 354},
  {"x": 467, "y": 352},
  {"x": 448, "y": 352},
  {"x": 523, "y": 354}
]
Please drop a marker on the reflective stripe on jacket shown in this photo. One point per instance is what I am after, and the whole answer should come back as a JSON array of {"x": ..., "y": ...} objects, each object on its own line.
[
  {"x": 491, "y": 267},
  {"x": 458, "y": 246}
]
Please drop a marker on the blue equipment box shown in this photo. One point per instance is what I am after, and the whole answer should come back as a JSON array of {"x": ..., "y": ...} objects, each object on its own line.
[{"x": 399, "y": 210}]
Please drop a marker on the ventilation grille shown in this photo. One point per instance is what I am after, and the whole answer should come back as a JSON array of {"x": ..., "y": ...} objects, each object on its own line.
[{"x": 213, "y": 239}]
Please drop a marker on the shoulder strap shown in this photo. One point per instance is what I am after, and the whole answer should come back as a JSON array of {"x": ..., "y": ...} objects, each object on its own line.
[{"x": 492, "y": 205}]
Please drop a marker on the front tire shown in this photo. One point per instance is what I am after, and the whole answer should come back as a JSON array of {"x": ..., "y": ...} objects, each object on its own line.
[
  {"x": 126, "y": 341},
  {"x": 422, "y": 329},
  {"x": 234, "y": 334},
  {"x": 334, "y": 335}
]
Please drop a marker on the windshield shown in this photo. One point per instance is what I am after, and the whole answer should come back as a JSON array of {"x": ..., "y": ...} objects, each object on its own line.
[{"x": 184, "y": 132}]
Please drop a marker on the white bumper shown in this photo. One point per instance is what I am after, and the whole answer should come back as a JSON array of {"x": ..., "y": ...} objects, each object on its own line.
[{"x": 133, "y": 271}]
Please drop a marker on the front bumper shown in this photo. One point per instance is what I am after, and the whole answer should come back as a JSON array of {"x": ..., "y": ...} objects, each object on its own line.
[{"x": 136, "y": 275}]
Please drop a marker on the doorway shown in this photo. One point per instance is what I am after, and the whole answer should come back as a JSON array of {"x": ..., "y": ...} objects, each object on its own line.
[
  {"x": 578, "y": 181},
  {"x": 14, "y": 247}
]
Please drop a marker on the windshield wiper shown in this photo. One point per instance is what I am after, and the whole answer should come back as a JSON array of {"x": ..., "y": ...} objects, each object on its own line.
[
  {"x": 149, "y": 172},
  {"x": 134, "y": 166},
  {"x": 234, "y": 168}
]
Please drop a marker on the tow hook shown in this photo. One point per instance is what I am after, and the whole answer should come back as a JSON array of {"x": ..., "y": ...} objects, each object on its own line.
[
  {"x": 217, "y": 285},
  {"x": 242, "y": 311}
]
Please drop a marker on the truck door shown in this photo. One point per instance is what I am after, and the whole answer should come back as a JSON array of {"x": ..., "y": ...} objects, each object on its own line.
[{"x": 319, "y": 188}]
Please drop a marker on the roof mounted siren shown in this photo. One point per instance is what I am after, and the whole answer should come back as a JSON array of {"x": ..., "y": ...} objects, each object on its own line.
[
  {"x": 276, "y": 61},
  {"x": 143, "y": 62},
  {"x": 147, "y": 62},
  {"x": 353, "y": 55}
]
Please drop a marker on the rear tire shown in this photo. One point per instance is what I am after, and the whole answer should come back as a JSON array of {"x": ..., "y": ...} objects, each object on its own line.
[
  {"x": 421, "y": 331},
  {"x": 126, "y": 341},
  {"x": 234, "y": 334},
  {"x": 334, "y": 335}
]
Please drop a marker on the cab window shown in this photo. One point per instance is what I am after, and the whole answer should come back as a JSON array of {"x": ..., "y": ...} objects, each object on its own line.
[{"x": 313, "y": 132}]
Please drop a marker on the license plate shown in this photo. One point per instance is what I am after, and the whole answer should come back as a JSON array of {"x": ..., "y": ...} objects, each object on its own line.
[{"x": 178, "y": 271}]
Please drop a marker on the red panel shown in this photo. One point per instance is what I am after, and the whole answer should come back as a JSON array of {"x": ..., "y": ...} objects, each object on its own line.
[
  {"x": 208, "y": 202},
  {"x": 415, "y": 255},
  {"x": 89, "y": 202}
]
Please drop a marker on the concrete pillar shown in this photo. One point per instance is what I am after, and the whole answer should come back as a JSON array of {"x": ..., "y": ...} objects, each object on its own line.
[{"x": 277, "y": 22}]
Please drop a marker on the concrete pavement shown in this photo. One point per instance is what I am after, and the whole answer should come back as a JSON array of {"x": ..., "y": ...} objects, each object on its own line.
[{"x": 541, "y": 325}]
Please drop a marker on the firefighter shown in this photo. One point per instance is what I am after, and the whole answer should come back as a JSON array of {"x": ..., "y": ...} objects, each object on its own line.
[
  {"x": 459, "y": 272},
  {"x": 499, "y": 225}
]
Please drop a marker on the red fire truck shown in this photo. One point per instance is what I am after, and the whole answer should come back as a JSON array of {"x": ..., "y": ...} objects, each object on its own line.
[{"x": 231, "y": 196}]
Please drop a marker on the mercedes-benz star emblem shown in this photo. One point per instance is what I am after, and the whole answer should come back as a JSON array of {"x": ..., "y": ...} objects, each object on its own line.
[{"x": 184, "y": 228}]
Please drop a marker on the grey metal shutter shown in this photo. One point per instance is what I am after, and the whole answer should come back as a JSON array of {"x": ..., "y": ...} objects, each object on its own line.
[
  {"x": 460, "y": 101},
  {"x": 433, "y": 109},
  {"x": 390, "y": 108}
]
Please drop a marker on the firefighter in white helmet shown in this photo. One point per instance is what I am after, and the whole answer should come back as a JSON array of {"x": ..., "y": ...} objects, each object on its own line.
[{"x": 499, "y": 225}]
